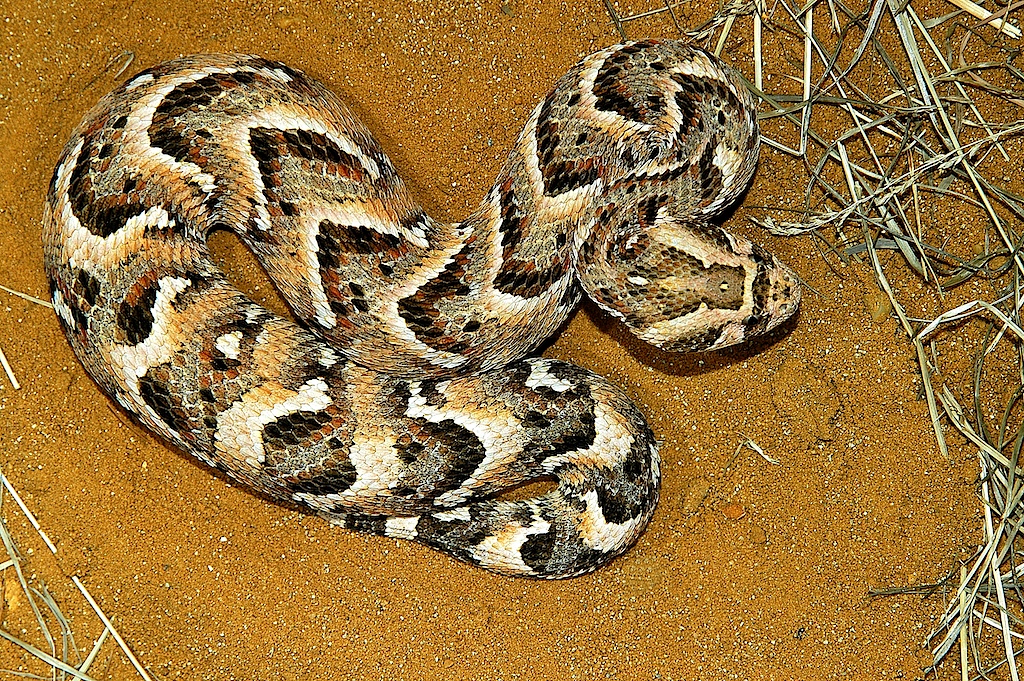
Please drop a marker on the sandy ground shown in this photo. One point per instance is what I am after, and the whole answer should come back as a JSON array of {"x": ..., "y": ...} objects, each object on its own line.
[{"x": 207, "y": 581}]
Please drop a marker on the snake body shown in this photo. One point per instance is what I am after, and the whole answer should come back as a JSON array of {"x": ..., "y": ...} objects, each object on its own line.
[{"x": 406, "y": 404}]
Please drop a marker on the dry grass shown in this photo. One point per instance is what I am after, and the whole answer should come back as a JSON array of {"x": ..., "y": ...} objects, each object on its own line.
[
  {"x": 896, "y": 116},
  {"x": 52, "y": 640}
]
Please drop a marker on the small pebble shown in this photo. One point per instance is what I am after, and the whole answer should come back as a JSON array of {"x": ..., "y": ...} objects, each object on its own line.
[
  {"x": 733, "y": 510},
  {"x": 878, "y": 305},
  {"x": 284, "y": 22}
]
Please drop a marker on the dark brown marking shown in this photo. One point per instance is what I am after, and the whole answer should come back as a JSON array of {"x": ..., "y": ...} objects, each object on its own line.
[
  {"x": 101, "y": 215},
  {"x": 293, "y": 429},
  {"x": 332, "y": 480},
  {"x": 87, "y": 286},
  {"x": 639, "y": 102},
  {"x": 617, "y": 505},
  {"x": 134, "y": 315},
  {"x": 78, "y": 326},
  {"x": 171, "y": 135},
  {"x": 538, "y": 549},
  {"x": 517, "y": 276},
  {"x": 580, "y": 437},
  {"x": 271, "y": 146},
  {"x": 421, "y": 311},
  {"x": 299, "y": 82},
  {"x": 710, "y": 174},
  {"x": 438, "y": 457},
  {"x": 373, "y": 524},
  {"x": 337, "y": 243},
  {"x": 156, "y": 391},
  {"x": 637, "y": 465},
  {"x": 560, "y": 175},
  {"x": 346, "y": 252},
  {"x": 455, "y": 536}
]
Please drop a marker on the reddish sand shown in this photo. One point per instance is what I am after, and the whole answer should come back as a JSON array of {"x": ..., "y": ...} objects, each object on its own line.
[{"x": 749, "y": 569}]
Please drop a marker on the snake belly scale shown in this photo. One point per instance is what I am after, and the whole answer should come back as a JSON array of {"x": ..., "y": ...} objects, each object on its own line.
[{"x": 406, "y": 403}]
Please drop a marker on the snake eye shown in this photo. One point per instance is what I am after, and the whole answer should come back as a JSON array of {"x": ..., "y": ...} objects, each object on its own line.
[{"x": 752, "y": 320}]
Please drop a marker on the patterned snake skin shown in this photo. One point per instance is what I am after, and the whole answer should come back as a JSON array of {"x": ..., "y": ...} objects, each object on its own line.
[{"x": 405, "y": 406}]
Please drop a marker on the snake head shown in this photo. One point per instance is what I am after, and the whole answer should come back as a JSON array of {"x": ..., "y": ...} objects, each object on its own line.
[
  {"x": 686, "y": 286},
  {"x": 685, "y": 147}
]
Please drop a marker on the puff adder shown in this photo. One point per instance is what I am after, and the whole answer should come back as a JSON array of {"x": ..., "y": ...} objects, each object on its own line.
[{"x": 406, "y": 403}]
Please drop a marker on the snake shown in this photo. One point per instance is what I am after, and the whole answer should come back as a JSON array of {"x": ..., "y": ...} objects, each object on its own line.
[{"x": 404, "y": 396}]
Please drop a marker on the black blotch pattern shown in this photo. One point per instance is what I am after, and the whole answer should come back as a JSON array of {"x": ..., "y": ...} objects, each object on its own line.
[
  {"x": 292, "y": 429},
  {"x": 87, "y": 286},
  {"x": 334, "y": 480},
  {"x": 156, "y": 392},
  {"x": 421, "y": 311},
  {"x": 269, "y": 146},
  {"x": 580, "y": 438},
  {"x": 221, "y": 362},
  {"x": 358, "y": 297},
  {"x": 415, "y": 222},
  {"x": 617, "y": 506},
  {"x": 444, "y": 448},
  {"x": 535, "y": 419},
  {"x": 430, "y": 393},
  {"x": 299, "y": 83},
  {"x": 165, "y": 131},
  {"x": 101, "y": 215},
  {"x": 611, "y": 94},
  {"x": 334, "y": 240},
  {"x": 565, "y": 176},
  {"x": 614, "y": 94},
  {"x": 79, "y": 324},
  {"x": 158, "y": 71},
  {"x": 688, "y": 99},
  {"x": 537, "y": 550},
  {"x": 374, "y": 524},
  {"x": 348, "y": 251},
  {"x": 199, "y": 284},
  {"x": 647, "y": 213},
  {"x": 667, "y": 176},
  {"x": 635, "y": 466},
  {"x": 560, "y": 175},
  {"x": 135, "y": 314},
  {"x": 264, "y": 63},
  {"x": 51, "y": 189},
  {"x": 518, "y": 277},
  {"x": 457, "y": 537},
  {"x": 710, "y": 174}
]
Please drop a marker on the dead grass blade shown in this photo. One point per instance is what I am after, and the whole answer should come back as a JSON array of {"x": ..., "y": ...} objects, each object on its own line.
[{"x": 929, "y": 105}]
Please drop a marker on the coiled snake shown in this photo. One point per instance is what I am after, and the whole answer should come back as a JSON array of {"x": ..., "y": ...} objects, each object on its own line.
[{"x": 406, "y": 406}]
